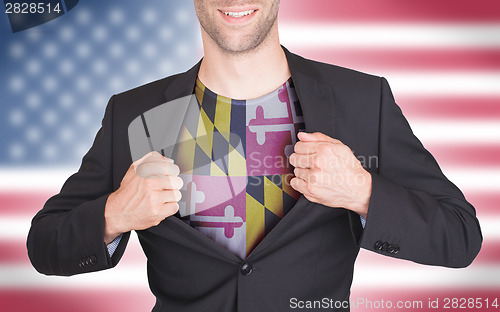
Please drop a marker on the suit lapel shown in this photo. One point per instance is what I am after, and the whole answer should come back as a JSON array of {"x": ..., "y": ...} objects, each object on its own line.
[
  {"x": 183, "y": 84},
  {"x": 316, "y": 99},
  {"x": 318, "y": 108}
]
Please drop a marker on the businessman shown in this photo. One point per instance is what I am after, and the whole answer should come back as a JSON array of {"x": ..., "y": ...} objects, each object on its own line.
[{"x": 226, "y": 225}]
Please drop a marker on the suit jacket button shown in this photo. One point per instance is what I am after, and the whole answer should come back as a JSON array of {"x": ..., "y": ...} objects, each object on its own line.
[
  {"x": 93, "y": 260},
  {"x": 378, "y": 245},
  {"x": 390, "y": 249},
  {"x": 246, "y": 269},
  {"x": 396, "y": 249},
  {"x": 384, "y": 246}
]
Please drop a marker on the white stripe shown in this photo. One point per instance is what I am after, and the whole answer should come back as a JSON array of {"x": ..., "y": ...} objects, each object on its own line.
[
  {"x": 122, "y": 277},
  {"x": 465, "y": 132},
  {"x": 472, "y": 180},
  {"x": 390, "y": 276},
  {"x": 333, "y": 35},
  {"x": 16, "y": 228},
  {"x": 129, "y": 276},
  {"x": 25, "y": 178},
  {"x": 423, "y": 83}
]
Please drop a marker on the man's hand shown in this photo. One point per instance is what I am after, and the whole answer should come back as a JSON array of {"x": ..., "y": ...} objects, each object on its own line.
[
  {"x": 327, "y": 172},
  {"x": 148, "y": 193}
]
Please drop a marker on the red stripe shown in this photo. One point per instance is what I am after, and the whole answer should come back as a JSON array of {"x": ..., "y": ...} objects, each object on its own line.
[
  {"x": 367, "y": 299},
  {"x": 15, "y": 252},
  {"x": 390, "y": 11},
  {"x": 489, "y": 254},
  {"x": 463, "y": 156},
  {"x": 22, "y": 202},
  {"x": 486, "y": 204},
  {"x": 450, "y": 107},
  {"x": 383, "y": 60},
  {"x": 77, "y": 300}
]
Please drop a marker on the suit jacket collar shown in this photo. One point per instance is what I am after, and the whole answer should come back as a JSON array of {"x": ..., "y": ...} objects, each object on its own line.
[
  {"x": 183, "y": 84},
  {"x": 315, "y": 97}
]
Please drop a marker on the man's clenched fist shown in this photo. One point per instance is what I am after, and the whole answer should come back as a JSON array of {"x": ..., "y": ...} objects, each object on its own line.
[
  {"x": 148, "y": 193},
  {"x": 327, "y": 172}
]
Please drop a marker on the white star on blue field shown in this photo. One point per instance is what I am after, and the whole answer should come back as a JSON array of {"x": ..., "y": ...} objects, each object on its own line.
[{"x": 56, "y": 78}]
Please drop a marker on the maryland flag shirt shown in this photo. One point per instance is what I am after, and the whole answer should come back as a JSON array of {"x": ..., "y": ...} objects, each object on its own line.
[{"x": 234, "y": 164}]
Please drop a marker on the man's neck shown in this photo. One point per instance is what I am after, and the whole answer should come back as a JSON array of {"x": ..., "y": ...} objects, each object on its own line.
[{"x": 244, "y": 76}]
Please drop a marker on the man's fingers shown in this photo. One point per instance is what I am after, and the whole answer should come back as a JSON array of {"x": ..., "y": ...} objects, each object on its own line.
[
  {"x": 170, "y": 196},
  {"x": 171, "y": 183},
  {"x": 313, "y": 147},
  {"x": 302, "y": 161},
  {"x": 164, "y": 183},
  {"x": 304, "y": 147},
  {"x": 301, "y": 173},
  {"x": 157, "y": 169},
  {"x": 171, "y": 208},
  {"x": 301, "y": 186},
  {"x": 316, "y": 137},
  {"x": 152, "y": 156},
  {"x": 311, "y": 176}
]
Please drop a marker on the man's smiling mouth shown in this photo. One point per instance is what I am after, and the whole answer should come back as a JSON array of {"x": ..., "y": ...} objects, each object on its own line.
[{"x": 238, "y": 14}]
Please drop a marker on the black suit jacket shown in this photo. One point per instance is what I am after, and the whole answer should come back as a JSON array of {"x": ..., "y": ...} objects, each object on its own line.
[{"x": 415, "y": 213}]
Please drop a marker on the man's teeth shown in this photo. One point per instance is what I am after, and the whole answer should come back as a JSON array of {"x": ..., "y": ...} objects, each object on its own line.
[{"x": 239, "y": 14}]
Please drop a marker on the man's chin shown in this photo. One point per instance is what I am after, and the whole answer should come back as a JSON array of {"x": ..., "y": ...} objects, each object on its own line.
[{"x": 240, "y": 46}]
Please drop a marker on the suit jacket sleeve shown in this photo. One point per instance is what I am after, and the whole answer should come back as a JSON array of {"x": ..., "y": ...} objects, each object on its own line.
[
  {"x": 413, "y": 206},
  {"x": 67, "y": 235}
]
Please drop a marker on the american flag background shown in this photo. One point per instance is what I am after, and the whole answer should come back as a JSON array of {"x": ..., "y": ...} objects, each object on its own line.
[{"x": 441, "y": 57}]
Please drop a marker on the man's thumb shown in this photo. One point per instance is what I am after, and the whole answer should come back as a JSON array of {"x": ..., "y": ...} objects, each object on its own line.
[{"x": 316, "y": 137}]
